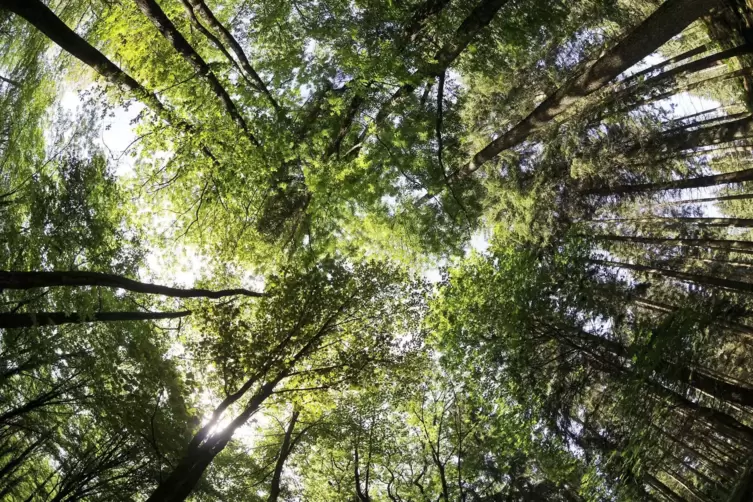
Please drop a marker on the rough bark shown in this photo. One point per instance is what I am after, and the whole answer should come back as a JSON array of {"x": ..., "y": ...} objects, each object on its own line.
[
  {"x": 29, "y": 280},
  {"x": 285, "y": 449},
  {"x": 28, "y": 320},
  {"x": 670, "y": 18},
  {"x": 157, "y": 16},
  {"x": 743, "y": 287}
]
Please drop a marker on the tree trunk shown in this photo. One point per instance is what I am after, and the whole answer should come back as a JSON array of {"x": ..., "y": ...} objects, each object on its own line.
[
  {"x": 721, "y": 198},
  {"x": 43, "y": 19},
  {"x": 700, "y": 181},
  {"x": 659, "y": 66},
  {"x": 652, "y": 98},
  {"x": 670, "y": 18},
  {"x": 155, "y": 14},
  {"x": 663, "y": 307},
  {"x": 189, "y": 470},
  {"x": 715, "y": 244},
  {"x": 708, "y": 222},
  {"x": 285, "y": 449},
  {"x": 231, "y": 42},
  {"x": 30, "y": 280},
  {"x": 57, "y": 318},
  {"x": 692, "y": 67},
  {"x": 214, "y": 40},
  {"x": 686, "y": 140},
  {"x": 682, "y": 374},
  {"x": 743, "y": 287}
]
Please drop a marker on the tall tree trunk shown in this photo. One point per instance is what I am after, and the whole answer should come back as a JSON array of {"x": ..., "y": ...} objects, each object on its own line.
[
  {"x": 686, "y": 140},
  {"x": 189, "y": 470},
  {"x": 682, "y": 374},
  {"x": 230, "y": 41},
  {"x": 715, "y": 244},
  {"x": 285, "y": 449},
  {"x": 57, "y": 318},
  {"x": 692, "y": 67},
  {"x": 156, "y": 15},
  {"x": 670, "y": 18},
  {"x": 708, "y": 122},
  {"x": 660, "y": 66},
  {"x": 721, "y": 198},
  {"x": 743, "y": 287},
  {"x": 43, "y": 19},
  {"x": 700, "y": 181},
  {"x": 686, "y": 87},
  {"x": 203, "y": 448},
  {"x": 215, "y": 41},
  {"x": 674, "y": 221},
  {"x": 29, "y": 280}
]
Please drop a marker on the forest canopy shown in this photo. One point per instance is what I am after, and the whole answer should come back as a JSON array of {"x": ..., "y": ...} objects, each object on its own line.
[{"x": 376, "y": 250}]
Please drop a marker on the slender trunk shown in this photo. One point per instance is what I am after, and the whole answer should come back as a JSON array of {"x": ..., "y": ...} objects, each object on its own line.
[
  {"x": 659, "y": 66},
  {"x": 230, "y": 41},
  {"x": 43, "y": 19},
  {"x": 57, "y": 318},
  {"x": 692, "y": 67},
  {"x": 663, "y": 307},
  {"x": 708, "y": 222},
  {"x": 29, "y": 280},
  {"x": 721, "y": 198},
  {"x": 11, "y": 466},
  {"x": 708, "y": 122},
  {"x": 700, "y": 181},
  {"x": 680, "y": 480},
  {"x": 744, "y": 287},
  {"x": 682, "y": 374},
  {"x": 362, "y": 497},
  {"x": 715, "y": 244},
  {"x": 10, "y": 81},
  {"x": 157, "y": 16},
  {"x": 285, "y": 449},
  {"x": 214, "y": 40},
  {"x": 686, "y": 140},
  {"x": 652, "y": 98},
  {"x": 420, "y": 18},
  {"x": 670, "y": 18}
]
